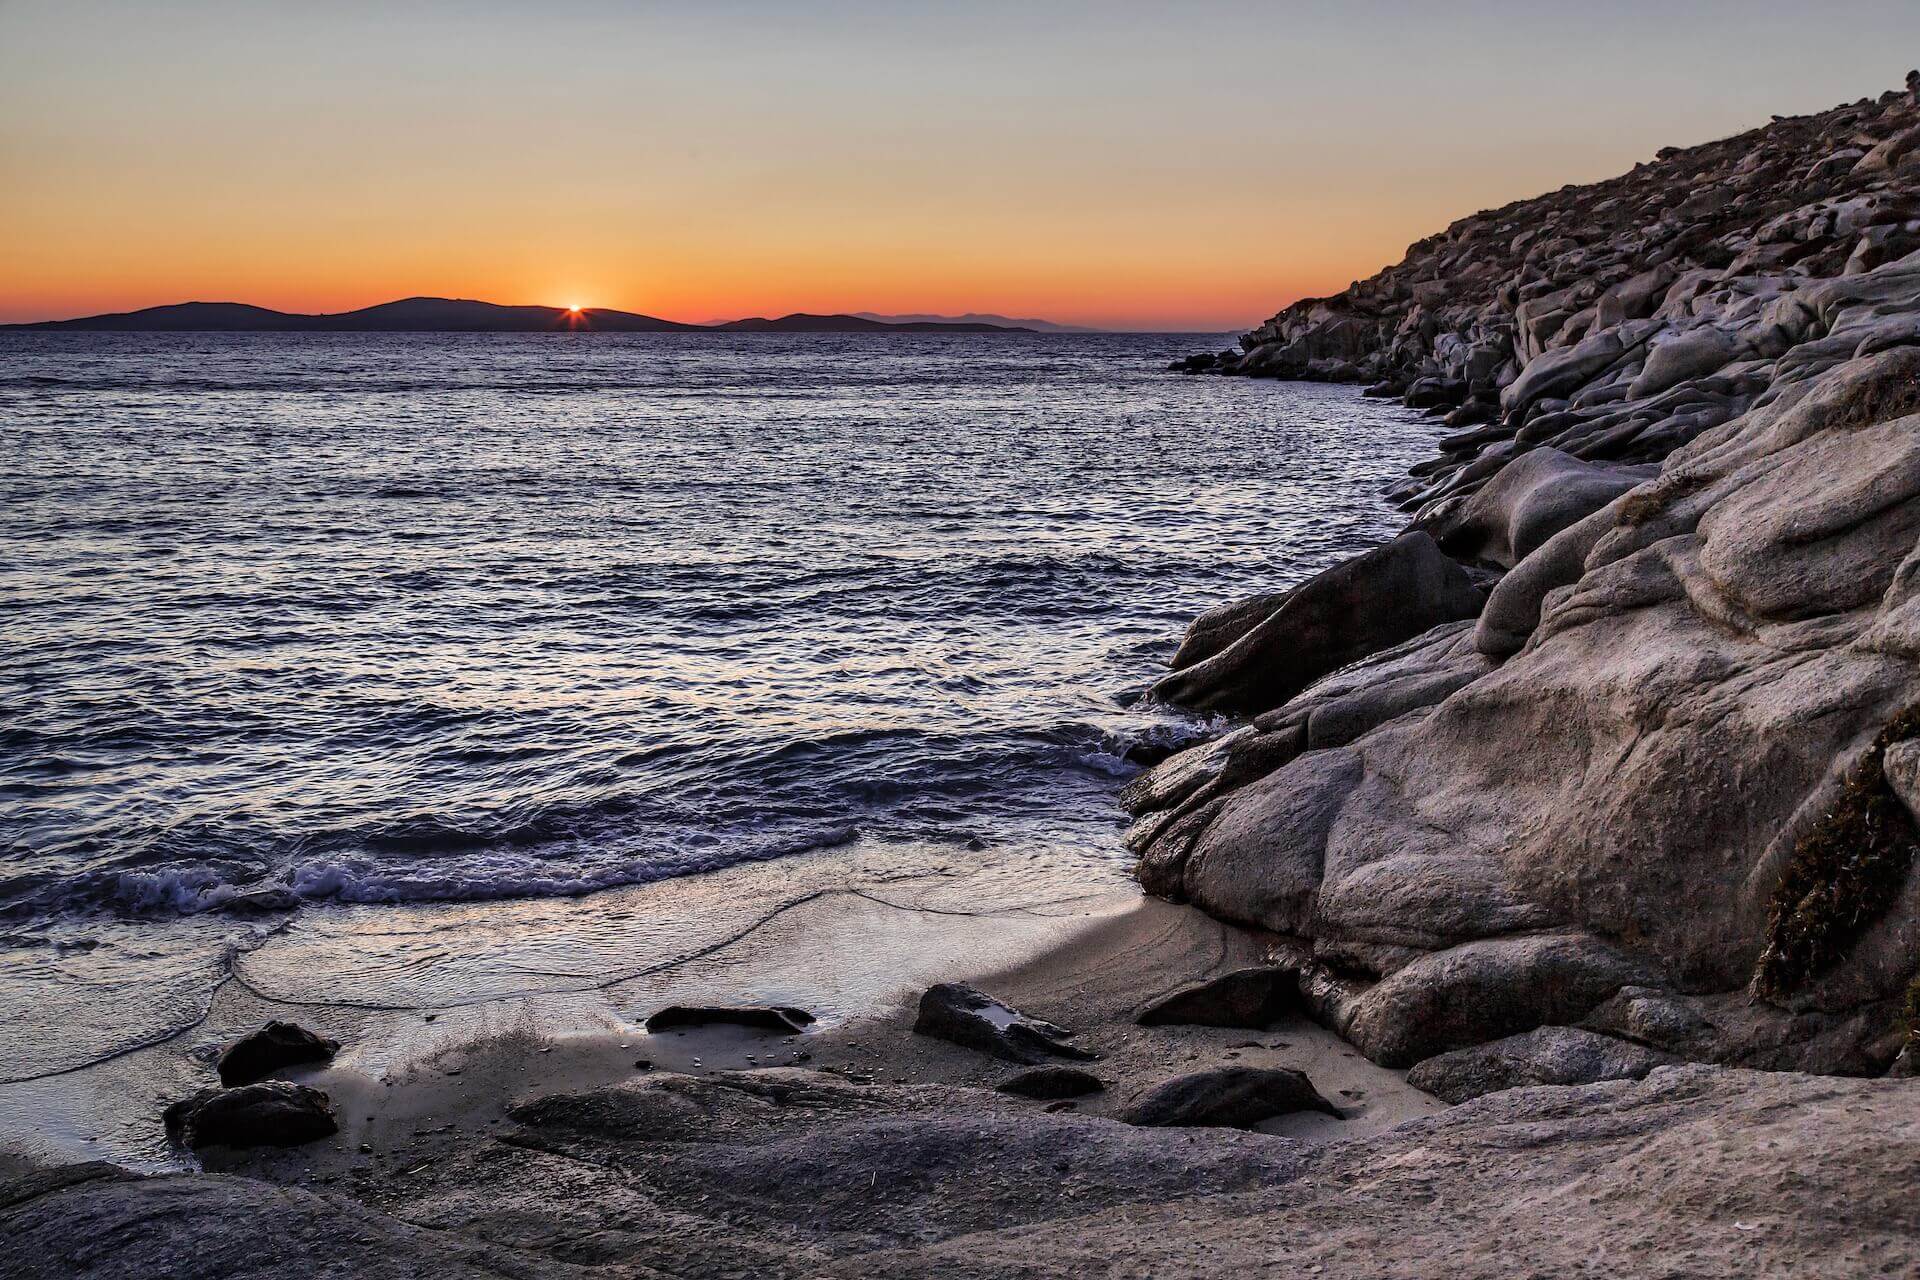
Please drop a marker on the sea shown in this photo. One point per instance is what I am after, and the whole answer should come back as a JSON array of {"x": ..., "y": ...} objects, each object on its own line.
[{"x": 294, "y": 626}]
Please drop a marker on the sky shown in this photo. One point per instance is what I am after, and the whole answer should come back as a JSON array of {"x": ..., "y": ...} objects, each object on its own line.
[{"x": 1191, "y": 166}]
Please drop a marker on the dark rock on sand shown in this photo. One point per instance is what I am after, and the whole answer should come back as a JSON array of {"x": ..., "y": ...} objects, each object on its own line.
[
  {"x": 780, "y": 1019},
  {"x": 272, "y": 1047},
  {"x": 1051, "y": 1083},
  {"x": 957, "y": 1012},
  {"x": 1250, "y": 998},
  {"x": 1356, "y": 608},
  {"x": 1547, "y": 1055},
  {"x": 271, "y": 1113},
  {"x": 1227, "y": 1097}
]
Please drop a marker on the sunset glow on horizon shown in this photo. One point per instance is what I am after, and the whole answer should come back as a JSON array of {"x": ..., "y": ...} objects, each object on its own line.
[{"x": 1118, "y": 166}]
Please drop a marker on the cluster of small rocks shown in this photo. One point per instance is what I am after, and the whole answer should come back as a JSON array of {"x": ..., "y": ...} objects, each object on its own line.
[{"x": 250, "y": 1110}]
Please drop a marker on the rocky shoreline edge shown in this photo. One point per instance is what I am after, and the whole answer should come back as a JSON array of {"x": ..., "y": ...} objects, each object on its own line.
[
  {"x": 1586, "y": 804},
  {"x": 1619, "y": 737},
  {"x": 1146, "y": 1097}
]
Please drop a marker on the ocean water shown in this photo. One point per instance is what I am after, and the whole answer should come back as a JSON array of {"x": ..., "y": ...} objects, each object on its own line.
[{"x": 294, "y": 622}]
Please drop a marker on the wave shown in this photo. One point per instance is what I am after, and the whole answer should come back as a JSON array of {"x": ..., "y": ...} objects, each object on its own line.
[
  {"x": 706, "y": 808},
  {"x": 487, "y": 876}
]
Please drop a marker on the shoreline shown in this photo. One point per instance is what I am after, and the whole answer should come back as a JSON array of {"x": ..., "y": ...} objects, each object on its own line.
[{"x": 857, "y": 954}]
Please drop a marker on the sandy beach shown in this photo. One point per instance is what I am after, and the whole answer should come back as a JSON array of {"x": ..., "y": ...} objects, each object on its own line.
[{"x": 858, "y": 952}]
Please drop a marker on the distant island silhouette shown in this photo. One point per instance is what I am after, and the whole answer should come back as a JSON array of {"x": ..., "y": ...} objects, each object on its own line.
[{"x": 463, "y": 315}]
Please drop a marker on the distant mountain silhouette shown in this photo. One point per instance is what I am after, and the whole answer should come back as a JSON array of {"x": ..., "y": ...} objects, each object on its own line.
[
  {"x": 408, "y": 315},
  {"x": 802, "y": 322},
  {"x": 461, "y": 315},
  {"x": 980, "y": 317}
]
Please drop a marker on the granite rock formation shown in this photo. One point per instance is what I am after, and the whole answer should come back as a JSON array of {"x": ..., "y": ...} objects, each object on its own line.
[{"x": 1669, "y": 755}]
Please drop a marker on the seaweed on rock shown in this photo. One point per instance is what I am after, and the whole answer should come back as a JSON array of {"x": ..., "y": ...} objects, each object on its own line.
[{"x": 1844, "y": 874}]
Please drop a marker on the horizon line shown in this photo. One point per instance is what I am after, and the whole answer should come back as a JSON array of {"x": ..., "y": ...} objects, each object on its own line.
[{"x": 583, "y": 309}]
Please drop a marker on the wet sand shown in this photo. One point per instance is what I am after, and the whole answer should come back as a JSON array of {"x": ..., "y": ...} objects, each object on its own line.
[{"x": 412, "y": 1081}]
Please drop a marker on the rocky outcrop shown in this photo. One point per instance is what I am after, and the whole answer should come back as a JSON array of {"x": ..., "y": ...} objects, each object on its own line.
[
  {"x": 1667, "y": 755},
  {"x": 1699, "y": 1171}
]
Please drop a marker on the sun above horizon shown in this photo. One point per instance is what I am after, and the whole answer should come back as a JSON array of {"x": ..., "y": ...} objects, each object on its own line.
[{"x": 574, "y": 307}]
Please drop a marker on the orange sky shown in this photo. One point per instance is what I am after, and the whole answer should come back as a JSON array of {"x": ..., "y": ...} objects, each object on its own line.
[{"x": 1112, "y": 165}]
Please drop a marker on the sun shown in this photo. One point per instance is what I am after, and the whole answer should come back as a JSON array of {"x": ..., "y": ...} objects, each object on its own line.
[{"x": 574, "y": 308}]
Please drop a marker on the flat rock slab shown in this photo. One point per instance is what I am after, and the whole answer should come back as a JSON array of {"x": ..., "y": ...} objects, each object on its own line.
[
  {"x": 779, "y": 1018},
  {"x": 1227, "y": 1097},
  {"x": 271, "y": 1113},
  {"x": 1250, "y": 998},
  {"x": 273, "y": 1047},
  {"x": 1051, "y": 1083},
  {"x": 1549, "y": 1055},
  {"x": 966, "y": 1016}
]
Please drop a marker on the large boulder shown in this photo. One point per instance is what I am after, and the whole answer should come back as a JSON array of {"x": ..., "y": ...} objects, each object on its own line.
[
  {"x": 1485, "y": 990},
  {"x": 1356, "y": 608},
  {"x": 1546, "y": 1056}
]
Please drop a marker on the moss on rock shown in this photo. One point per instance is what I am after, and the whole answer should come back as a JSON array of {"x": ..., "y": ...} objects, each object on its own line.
[{"x": 1844, "y": 874}]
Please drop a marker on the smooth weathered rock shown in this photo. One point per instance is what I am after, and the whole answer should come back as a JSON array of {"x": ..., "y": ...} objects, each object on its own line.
[
  {"x": 1217, "y": 628},
  {"x": 1549, "y": 1055},
  {"x": 273, "y": 1047},
  {"x": 1649, "y": 1175},
  {"x": 269, "y": 1113},
  {"x": 957, "y": 1012},
  {"x": 1356, "y": 608},
  {"x": 1226, "y": 1097},
  {"x": 1529, "y": 501},
  {"x": 1051, "y": 1083},
  {"x": 779, "y": 1019},
  {"x": 1481, "y": 991},
  {"x": 1250, "y": 998}
]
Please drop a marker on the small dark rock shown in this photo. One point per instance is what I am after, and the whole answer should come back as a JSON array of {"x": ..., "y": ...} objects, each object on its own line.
[
  {"x": 271, "y": 1113},
  {"x": 957, "y": 1012},
  {"x": 1244, "y": 998},
  {"x": 1051, "y": 1082},
  {"x": 1227, "y": 1097},
  {"x": 781, "y": 1018},
  {"x": 272, "y": 1047}
]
